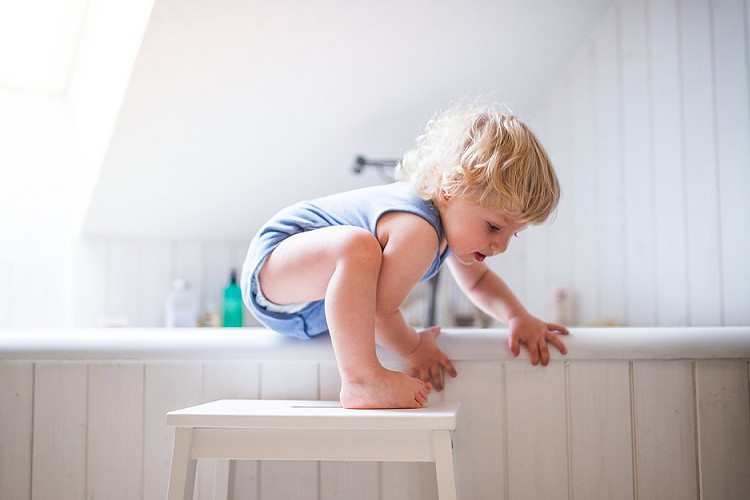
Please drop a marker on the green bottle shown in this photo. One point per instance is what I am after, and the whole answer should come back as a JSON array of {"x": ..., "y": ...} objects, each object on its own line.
[{"x": 233, "y": 302}]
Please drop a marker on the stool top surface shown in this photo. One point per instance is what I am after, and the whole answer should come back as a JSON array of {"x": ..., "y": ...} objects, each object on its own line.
[{"x": 279, "y": 414}]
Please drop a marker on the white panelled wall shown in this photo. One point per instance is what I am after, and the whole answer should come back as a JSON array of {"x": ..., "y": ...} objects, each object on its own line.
[
  {"x": 124, "y": 281},
  {"x": 629, "y": 413},
  {"x": 649, "y": 129},
  {"x": 650, "y": 132}
]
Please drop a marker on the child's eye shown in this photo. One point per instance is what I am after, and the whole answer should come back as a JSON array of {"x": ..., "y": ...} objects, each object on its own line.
[{"x": 493, "y": 228}]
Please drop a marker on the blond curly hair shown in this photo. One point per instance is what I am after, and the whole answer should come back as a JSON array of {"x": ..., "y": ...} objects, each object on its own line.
[{"x": 487, "y": 157}]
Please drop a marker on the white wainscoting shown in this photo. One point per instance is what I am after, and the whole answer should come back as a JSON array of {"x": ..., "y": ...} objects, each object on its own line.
[
  {"x": 126, "y": 280},
  {"x": 647, "y": 413},
  {"x": 648, "y": 128}
]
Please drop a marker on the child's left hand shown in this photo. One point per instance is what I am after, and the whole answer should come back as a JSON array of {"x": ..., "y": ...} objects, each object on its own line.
[
  {"x": 427, "y": 361},
  {"x": 536, "y": 334}
]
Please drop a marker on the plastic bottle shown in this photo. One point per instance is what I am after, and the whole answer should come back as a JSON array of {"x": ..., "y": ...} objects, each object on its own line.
[
  {"x": 564, "y": 307},
  {"x": 232, "y": 303},
  {"x": 209, "y": 316},
  {"x": 180, "y": 307}
]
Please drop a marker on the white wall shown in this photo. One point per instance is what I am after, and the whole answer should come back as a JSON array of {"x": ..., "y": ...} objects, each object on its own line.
[
  {"x": 34, "y": 230},
  {"x": 124, "y": 281},
  {"x": 649, "y": 131},
  {"x": 51, "y": 147},
  {"x": 648, "y": 128},
  {"x": 230, "y": 100}
]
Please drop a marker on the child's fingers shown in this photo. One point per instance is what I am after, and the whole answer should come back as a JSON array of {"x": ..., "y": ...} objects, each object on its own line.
[
  {"x": 514, "y": 346},
  {"x": 424, "y": 375},
  {"x": 555, "y": 340},
  {"x": 433, "y": 330},
  {"x": 437, "y": 378},
  {"x": 448, "y": 366},
  {"x": 534, "y": 351},
  {"x": 544, "y": 352},
  {"x": 558, "y": 328}
]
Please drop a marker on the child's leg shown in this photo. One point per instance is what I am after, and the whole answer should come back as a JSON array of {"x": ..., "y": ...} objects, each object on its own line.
[{"x": 342, "y": 265}]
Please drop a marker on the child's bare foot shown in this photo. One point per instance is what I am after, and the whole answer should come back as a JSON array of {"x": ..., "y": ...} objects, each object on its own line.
[{"x": 385, "y": 389}]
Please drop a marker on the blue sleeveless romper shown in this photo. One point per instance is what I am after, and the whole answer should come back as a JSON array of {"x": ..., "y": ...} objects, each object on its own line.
[{"x": 361, "y": 208}]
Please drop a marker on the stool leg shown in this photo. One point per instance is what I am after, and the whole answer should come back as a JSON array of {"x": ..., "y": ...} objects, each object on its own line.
[
  {"x": 182, "y": 475},
  {"x": 446, "y": 479},
  {"x": 221, "y": 480}
]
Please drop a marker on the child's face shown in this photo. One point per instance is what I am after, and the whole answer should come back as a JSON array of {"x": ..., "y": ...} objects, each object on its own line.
[{"x": 475, "y": 233}]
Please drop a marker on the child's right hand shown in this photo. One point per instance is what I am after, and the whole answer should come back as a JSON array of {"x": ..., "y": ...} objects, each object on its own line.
[
  {"x": 426, "y": 361},
  {"x": 536, "y": 334}
]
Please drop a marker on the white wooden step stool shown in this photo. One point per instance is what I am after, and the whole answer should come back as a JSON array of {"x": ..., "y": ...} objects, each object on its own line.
[{"x": 249, "y": 429}]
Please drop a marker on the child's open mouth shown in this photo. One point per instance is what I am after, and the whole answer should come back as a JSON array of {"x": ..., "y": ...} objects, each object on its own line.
[{"x": 479, "y": 256}]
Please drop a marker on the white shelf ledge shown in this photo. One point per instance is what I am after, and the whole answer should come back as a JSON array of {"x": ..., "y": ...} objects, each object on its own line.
[{"x": 459, "y": 344}]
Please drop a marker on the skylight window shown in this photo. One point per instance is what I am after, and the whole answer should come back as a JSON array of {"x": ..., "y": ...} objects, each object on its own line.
[{"x": 38, "y": 43}]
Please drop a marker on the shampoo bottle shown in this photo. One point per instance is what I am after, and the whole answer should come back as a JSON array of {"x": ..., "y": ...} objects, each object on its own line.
[{"x": 233, "y": 302}]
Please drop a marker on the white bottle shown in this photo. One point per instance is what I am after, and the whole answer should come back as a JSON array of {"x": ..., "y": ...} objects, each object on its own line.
[
  {"x": 564, "y": 312},
  {"x": 180, "y": 308}
]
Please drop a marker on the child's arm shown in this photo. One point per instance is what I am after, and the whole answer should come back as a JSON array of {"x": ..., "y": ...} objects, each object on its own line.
[
  {"x": 409, "y": 247},
  {"x": 490, "y": 293}
]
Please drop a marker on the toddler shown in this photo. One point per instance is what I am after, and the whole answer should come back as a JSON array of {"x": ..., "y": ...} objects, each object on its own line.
[{"x": 344, "y": 263}]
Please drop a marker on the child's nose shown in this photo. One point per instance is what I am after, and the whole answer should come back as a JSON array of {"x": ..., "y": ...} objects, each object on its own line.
[{"x": 500, "y": 245}]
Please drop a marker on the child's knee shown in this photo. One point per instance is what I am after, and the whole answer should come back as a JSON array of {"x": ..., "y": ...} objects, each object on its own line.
[{"x": 362, "y": 248}]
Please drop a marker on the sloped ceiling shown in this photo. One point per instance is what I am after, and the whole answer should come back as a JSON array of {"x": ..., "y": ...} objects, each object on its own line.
[{"x": 238, "y": 108}]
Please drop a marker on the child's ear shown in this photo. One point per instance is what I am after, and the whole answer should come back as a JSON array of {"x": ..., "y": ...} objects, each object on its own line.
[
  {"x": 449, "y": 181},
  {"x": 442, "y": 198}
]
